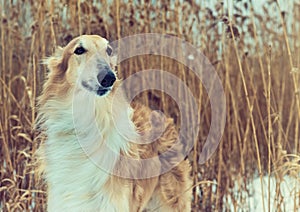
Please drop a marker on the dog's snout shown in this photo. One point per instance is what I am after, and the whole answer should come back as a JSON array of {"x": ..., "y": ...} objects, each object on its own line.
[{"x": 106, "y": 79}]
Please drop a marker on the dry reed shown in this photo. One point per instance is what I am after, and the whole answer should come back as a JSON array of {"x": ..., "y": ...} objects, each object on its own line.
[{"x": 258, "y": 66}]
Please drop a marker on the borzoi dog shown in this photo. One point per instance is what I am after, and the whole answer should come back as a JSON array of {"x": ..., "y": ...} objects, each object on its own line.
[{"x": 90, "y": 127}]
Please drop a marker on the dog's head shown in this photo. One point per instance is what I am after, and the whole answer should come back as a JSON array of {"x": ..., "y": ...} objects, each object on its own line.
[{"x": 87, "y": 61}]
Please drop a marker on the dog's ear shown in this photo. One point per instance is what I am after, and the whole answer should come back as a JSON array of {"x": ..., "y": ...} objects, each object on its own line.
[
  {"x": 58, "y": 51},
  {"x": 58, "y": 62},
  {"x": 55, "y": 57},
  {"x": 114, "y": 57},
  {"x": 64, "y": 60},
  {"x": 113, "y": 61}
]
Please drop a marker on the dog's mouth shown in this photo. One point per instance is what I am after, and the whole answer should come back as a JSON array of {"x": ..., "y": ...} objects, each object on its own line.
[
  {"x": 98, "y": 90},
  {"x": 102, "y": 91}
]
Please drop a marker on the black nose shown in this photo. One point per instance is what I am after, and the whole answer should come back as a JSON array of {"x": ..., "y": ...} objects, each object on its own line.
[{"x": 106, "y": 80}]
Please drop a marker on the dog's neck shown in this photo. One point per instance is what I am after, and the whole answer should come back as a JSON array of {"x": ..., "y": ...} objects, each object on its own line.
[
  {"x": 85, "y": 136},
  {"x": 103, "y": 121},
  {"x": 97, "y": 125}
]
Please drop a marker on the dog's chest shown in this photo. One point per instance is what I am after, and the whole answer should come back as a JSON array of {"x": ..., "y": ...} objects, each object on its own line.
[{"x": 78, "y": 184}]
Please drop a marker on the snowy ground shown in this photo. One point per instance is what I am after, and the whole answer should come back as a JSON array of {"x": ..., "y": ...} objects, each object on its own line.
[{"x": 287, "y": 195}]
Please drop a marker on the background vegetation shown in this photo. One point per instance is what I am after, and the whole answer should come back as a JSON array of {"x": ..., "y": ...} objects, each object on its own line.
[{"x": 256, "y": 55}]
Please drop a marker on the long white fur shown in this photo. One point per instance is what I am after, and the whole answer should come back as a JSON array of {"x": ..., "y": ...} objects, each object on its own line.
[{"x": 74, "y": 140}]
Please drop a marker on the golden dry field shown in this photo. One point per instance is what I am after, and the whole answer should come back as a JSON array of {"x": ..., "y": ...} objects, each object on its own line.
[{"x": 256, "y": 54}]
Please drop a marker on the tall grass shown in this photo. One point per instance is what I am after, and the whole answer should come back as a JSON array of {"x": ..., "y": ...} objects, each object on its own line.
[{"x": 257, "y": 57}]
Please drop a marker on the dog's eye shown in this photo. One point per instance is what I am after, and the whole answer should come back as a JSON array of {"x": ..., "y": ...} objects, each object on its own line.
[
  {"x": 109, "y": 51},
  {"x": 80, "y": 50}
]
